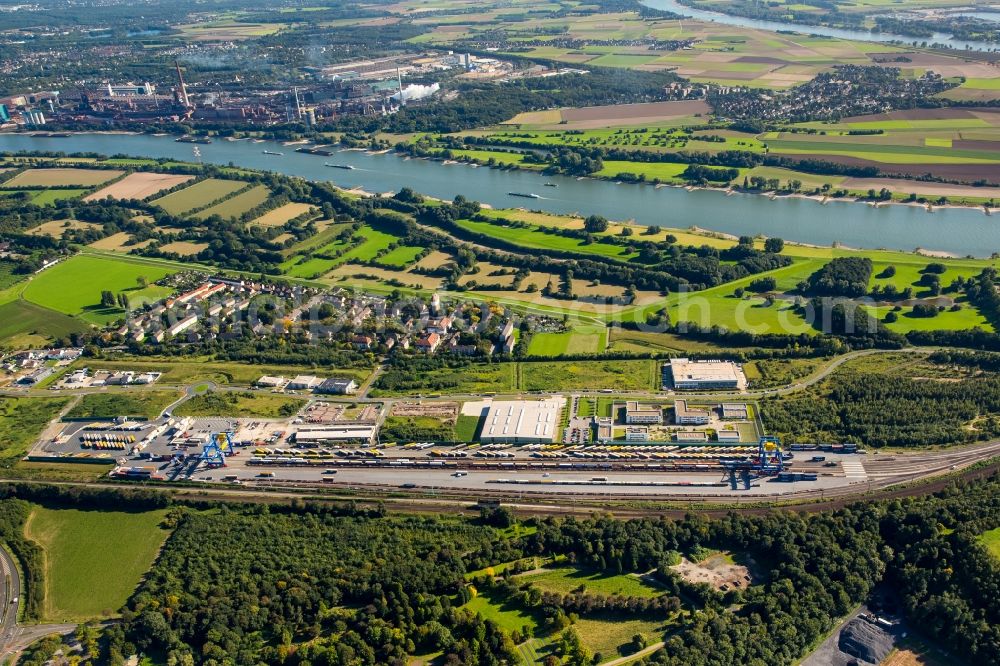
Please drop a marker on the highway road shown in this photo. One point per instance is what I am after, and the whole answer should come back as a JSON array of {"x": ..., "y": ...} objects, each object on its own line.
[
  {"x": 10, "y": 589},
  {"x": 16, "y": 637}
]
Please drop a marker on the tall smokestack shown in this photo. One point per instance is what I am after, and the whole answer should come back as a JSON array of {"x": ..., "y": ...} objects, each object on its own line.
[
  {"x": 298, "y": 104},
  {"x": 399, "y": 77},
  {"x": 182, "y": 93}
]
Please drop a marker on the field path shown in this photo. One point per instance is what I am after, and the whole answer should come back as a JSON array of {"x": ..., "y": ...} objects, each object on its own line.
[{"x": 648, "y": 650}]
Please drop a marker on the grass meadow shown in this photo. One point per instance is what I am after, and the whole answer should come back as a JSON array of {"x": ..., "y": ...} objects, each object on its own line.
[
  {"x": 22, "y": 421},
  {"x": 249, "y": 404},
  {"x": 147, "y": 404},
  {"x": 24, "y": 324},
  {"x": 566, "y": 579},
  {"x": 74, "y": 286},
  {"x": 991, "y": 540},
  {"x": 93, "y": 559}
]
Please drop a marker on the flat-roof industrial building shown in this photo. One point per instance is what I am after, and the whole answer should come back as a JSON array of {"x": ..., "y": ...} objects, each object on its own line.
[
  {"x": 735, "y": 410},
  {"x": 685, "y": 415},
  {"x": 684, "y": 374},
  {"x": 521, "y": 421},
  {"x": 639, "y": 414}
]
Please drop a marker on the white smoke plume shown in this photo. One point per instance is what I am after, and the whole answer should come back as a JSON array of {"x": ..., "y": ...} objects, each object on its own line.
[{"x": 416, "y": 91}]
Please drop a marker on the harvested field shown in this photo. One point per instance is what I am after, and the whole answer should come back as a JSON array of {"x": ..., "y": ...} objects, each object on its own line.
[
  {"x": 184, "y": 248},
  {"x": 118, "y": 243},
  {"x": 433, "y": 260},
  {"x": 962, "y": 144},
  {"x": 946, "y": 65},
  {"x": 551, "y": 116},
  {"x": 62, "y": 177},
  {"x": 630, "y": 114},
  {"x": 912, "y": 114},
  {"x": 139, "y": 186},
  {"x": 717, "y": 570},
  {"x": 227, "y": 31},
  {"x": 282, "y": 214},
  {"x": 933, "y": 189},
  {"x": 483, "y": 277},
  {"x": 56, "y": 228},
  {"x": 441, "y": 410}
]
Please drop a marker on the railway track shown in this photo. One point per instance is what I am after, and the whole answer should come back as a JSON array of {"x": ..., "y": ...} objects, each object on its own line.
[{"x": 584, "y": 503}]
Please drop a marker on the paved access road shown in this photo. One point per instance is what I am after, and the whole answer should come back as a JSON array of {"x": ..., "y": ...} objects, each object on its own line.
[
  {"x": 10, "y": 589},
  {"x": 15, "y": 637}
]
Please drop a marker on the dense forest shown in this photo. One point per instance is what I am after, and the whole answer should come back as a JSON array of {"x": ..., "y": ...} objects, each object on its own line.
[{"x": 873, "y": 408}]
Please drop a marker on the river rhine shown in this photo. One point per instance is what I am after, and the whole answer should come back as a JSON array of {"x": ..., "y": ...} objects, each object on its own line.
[
  {"x": 960, "y": 231},
  {"x": 841, "y": 33}
]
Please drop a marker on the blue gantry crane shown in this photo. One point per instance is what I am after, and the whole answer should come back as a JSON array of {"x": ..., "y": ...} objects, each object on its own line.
[{"x": 219, "y": 445}]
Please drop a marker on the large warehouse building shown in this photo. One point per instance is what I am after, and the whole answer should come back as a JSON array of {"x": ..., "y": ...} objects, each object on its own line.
[
  {"x": 684, "y": 374},
  {"x": 521, "y": 421}
]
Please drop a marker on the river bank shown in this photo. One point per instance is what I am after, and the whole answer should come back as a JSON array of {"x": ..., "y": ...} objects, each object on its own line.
[
  {"x": 959, "y": 231},
  {"x": 939, "y": 40},
  {"x": 896, "y": 185}
]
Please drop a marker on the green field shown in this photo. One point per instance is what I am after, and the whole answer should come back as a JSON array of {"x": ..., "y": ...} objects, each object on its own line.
[
  {"x": 62, "y": 177},
  {"x": 643, "y": 342},
  {"x": 566, "y": 579},
  {"x": 662, "y": 171},
  {"x": 577, "y": 341},
  {"x": 609, "y": 636},
  {"x": 74, "y": 286},
  {"x": 308, "y": 268},
  {"x": 93, "y": 559},
  {"x": 255, "y": 404},
  {"x": 8, "y": 274},
  {"x": 400, "y": 257},
  {"x": 991, "y": 540},
  {"x": 622, "y": 60},
  {"x": 982, "y": 84},
  {"x": 507, "y": 615},
  {"x": 574, "y": 375},
  {"x": 534, "y": 238},
  {"x": 145, "y": 404},
  {"x": 200, "y": 194},
  {"x": 498, "y": 156},
  {"x": 325, "y": 236},
  {"x": 24, "y": 324},
  {"x": 237, "y": 205},
  {"x": 374, "y": 242},
  {"x": 474, "y": 378},
  {"x": 22, "y": 421}
]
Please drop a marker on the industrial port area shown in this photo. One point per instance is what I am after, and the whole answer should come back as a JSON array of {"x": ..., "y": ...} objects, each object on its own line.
[{"x": 683, "y": 442}]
